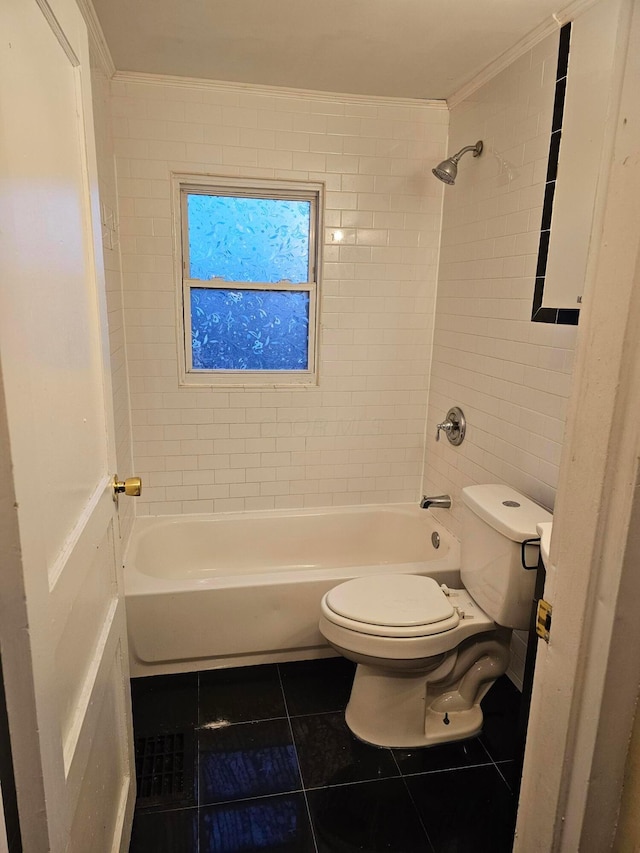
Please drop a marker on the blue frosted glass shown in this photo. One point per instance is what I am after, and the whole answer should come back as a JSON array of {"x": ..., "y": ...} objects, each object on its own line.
[
  {"x": 248, "y": 239},
  {"x": 249, "y": 329}
]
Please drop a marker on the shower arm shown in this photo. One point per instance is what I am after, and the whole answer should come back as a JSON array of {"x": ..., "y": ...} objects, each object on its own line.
[{"x": 474, "y": 148}]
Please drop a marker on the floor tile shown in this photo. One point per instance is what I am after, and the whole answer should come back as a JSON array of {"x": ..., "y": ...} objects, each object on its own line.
[
  {"x": 503, "y": 697},
  {"x": 465, "y": 810},
  {"x": 452, "y": 799},
  {"x": 501, "y": 708},
  {"x": 164, "y": 703},
  {"x": 368, "y": 817},
  {"x": 247, "y": 760},
  {"x": 241, "y": 694},
  {"x": 464, "y": 753},
  {"x": 312, "y": 687},
  {"x": 330, "y": 755},
  {"x": 165, "y": 832},
  {"x": 277, "y": 824},
  {"x": 511, "y": 773}
]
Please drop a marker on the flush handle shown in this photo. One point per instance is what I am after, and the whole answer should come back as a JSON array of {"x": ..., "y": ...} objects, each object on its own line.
[
  {"x": 132, "y": 486},
  {"x": 454, "y": 426}
]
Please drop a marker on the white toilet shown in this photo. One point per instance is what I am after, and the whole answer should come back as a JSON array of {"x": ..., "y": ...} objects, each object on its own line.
[{"x": 427, "y": 654}]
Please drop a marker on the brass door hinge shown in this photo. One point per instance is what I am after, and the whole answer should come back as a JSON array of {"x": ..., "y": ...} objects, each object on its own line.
[{"x": 543, "y": 620}]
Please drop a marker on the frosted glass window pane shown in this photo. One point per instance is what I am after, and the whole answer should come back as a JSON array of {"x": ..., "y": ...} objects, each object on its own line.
[
  {"x": 249, "y": 329},
  {"x": 248, "y": 239}
]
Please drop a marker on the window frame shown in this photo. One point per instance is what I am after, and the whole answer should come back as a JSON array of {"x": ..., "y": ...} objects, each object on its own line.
[{"x": 313, "y": 192}]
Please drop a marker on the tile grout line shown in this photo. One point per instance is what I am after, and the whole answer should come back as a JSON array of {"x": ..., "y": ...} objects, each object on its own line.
[
  {"x": 295, "y": 748},
  {"x": 496, "y": 763},
  {"x": 486, "y": 749},
  {"x": 229, "y": 725},
  {"x": 413, "y": 802},
  {"x": 251, "y": 799},
  {"x": 497, "y": 766},
  {"x": 196, "y": 779},
  {"x": 493, "y": 762},
  {"x": 447, "y": 769},
  {"x": 270, "y": 719}
]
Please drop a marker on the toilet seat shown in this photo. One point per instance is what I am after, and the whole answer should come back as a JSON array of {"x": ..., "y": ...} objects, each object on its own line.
[{"x": 396, "y": 606}]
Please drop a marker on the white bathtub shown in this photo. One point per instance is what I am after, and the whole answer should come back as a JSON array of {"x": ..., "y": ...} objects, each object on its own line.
[{"x": 242, "y": 588}]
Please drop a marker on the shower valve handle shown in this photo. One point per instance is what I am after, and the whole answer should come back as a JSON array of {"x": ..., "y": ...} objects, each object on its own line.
[
  {"x": 446, "y": 426},
  {"x": 454, "y": 426}
]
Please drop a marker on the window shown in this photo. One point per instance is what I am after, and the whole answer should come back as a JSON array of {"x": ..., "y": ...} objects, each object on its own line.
[{"x": 249, "y": 280}]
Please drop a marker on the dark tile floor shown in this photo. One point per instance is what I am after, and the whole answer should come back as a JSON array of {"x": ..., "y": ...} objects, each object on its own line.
[{"x": 260, "y": 759}]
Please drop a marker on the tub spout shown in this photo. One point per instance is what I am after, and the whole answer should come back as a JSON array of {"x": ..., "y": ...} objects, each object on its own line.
[{"x": 439, "y": 501}]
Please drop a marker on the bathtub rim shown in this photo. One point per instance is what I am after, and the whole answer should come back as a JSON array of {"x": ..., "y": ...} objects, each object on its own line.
[{"x": 140, "y": 583}]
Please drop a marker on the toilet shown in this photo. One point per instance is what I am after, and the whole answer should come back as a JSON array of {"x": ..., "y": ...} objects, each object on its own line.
[{"x": 426, "y": 655}]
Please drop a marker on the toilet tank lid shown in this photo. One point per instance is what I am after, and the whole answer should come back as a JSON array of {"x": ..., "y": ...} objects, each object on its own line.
[{"x": 495, "y": 505}]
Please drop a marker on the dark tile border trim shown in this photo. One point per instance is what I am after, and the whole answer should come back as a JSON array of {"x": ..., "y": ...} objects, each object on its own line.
[{"x": 565, "y": 316}]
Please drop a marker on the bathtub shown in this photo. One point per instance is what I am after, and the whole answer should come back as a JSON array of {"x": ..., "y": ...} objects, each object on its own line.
[{"x": 235, "y": 589}]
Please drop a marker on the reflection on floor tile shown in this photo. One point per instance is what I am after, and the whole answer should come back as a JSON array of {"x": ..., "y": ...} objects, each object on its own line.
[
  {"x": 370, "y": 816},
  {"x": 165, "y": 832},
  {"x": 311, "y": 687},
  {"x": 272, "y": 824},
  {"x": 500, "y": 728},
  {"x": 330, "y": 755},
  {"x": 447, "y": 756},
  {"x": 467, "y": 810},
  {"x": 240, "y": 695},
  {"x": 165, "y": 703},
  {"x": 510, "y": 772},
  {"x": 265, "y": 763},
  {"x": 247, "y": 760}
]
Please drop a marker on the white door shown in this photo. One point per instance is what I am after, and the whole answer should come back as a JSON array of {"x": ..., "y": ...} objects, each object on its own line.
[{"x": 62, "y": 626}]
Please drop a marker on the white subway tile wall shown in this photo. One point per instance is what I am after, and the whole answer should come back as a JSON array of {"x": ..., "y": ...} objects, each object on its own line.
[
  {"x": 113, "y": 281},
  {"x": 358, "y": 437},
  {"x": 510, "y": 376}
]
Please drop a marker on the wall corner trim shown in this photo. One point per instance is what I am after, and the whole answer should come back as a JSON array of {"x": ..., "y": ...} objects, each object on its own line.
[
  {"x": 546, "y": 28},
  {"x": 273, "y": 91},
  {"x": 97, "y": 39}
]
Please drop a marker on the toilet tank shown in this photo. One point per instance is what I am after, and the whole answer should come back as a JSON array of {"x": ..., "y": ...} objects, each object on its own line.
[{"x": 496, "y": 521}]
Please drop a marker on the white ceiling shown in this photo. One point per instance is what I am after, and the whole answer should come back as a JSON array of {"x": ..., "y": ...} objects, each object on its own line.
[{"x": 397, "y": 48}]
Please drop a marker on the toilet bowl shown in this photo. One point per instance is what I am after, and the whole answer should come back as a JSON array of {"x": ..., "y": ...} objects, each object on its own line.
[{"x": 427, "y": 654}]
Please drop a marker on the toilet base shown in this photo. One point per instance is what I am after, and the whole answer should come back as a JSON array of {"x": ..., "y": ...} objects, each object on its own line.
[
  {"x": 403, "y": 709},
  {"x": 461, "y": 725}
]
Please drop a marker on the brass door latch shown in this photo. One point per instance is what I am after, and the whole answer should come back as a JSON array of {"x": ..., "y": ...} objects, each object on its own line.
[
  {"x": 132, "y": 486},
  {"x": 543, "y": 619}
]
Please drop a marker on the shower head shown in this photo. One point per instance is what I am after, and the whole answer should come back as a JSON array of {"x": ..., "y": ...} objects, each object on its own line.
[{"x": 448, "y": 169}]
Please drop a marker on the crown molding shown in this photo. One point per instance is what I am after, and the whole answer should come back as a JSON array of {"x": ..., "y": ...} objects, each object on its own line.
[
  {"x": 272, "y": 91},
  {"x": 551, "y": 25},
  {"x": 96, "y": 37}
]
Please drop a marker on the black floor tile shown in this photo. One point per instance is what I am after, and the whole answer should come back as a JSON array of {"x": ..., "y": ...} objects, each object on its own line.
[
  {"x": 511, "y": 772},
  {"x": 247, "y": 760},
  {"x": 277, "y": 824},
  {"x": 240, "y": 764},
  {"x": 240, "y": 695},
  {"x": 464, "y": 753},
  {"x": 165, "y": 832},
  {"x": 164, "y": 703},
  {"x": 467, "y": 810},
  {"x": 312, "y": 687},
  {"x": 500, "y": 728},
  {"x": 503, "y": 697},
  {"x": 368, "y": 817},
  {"x": 330, "y": 755}
]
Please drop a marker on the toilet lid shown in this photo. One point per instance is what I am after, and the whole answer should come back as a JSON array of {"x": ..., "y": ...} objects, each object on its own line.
[{"x": 396, "y": 601}]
